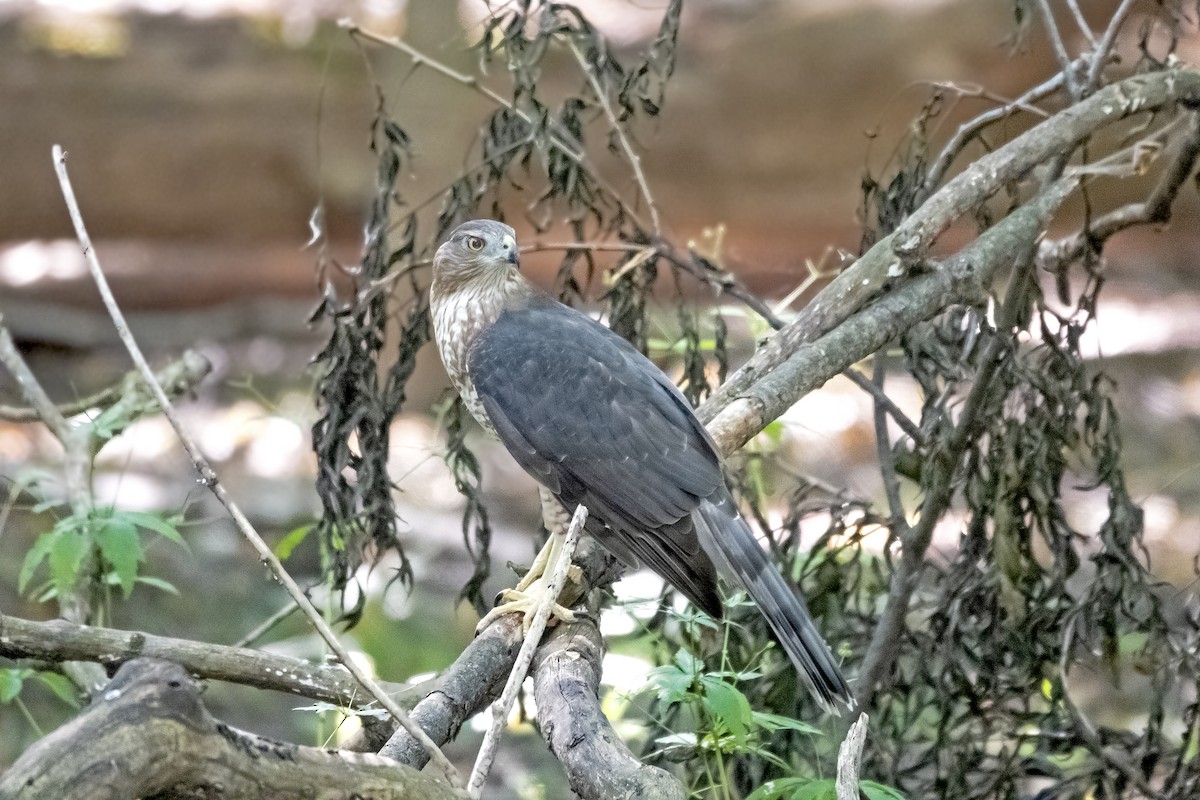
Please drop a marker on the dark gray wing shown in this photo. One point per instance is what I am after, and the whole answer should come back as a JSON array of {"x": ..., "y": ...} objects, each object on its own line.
[{"x": 592, "y": 419}]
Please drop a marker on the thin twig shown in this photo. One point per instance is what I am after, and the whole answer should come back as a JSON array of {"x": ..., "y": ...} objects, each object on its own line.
[
  {"x": 56, "y": 641},
  {"x": 1082, "y": 22},
  {"x": 972, "y": 127},
  {"x": 40, "y": 403},
  {"x": 1065, "y": 64},
  {"x": 419, "y": 59},
  {"x": 265, "y": 627},
  {"x": 883, "y": 449},
  {"x": 1100, "y": 56},
  {"x": 885, "y": 403},
  {"x": 533, "y": 637},
  {"x": 182, "y": 375},
  {"x": 1154, "y": 210},
  {"x": 102, "y": 398},
  {"x": 635, "y": 161},
  {"x": 559, "y": 137},
  {"x": 209, "y": 478}
]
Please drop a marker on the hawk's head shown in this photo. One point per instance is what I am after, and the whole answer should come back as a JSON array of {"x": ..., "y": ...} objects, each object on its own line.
[{"x": 481, "y": 249}]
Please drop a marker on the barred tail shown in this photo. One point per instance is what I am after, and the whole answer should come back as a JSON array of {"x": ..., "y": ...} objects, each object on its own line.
[{"x": 731, "y": 545}]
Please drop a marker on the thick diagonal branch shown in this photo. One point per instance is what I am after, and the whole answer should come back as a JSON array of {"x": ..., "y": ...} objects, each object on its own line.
[
  {"x": 892, "y": 257},
  {"x": 566, "y": 681}
]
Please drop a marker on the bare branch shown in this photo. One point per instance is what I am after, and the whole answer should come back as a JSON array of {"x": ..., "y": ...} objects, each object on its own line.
[
  {"x": 1154, "y": 210},
  {"x": 883, "y": 451},
  {"x": 1065, "y": 65},
  {"x": 888, "y": 260},
  {"x": 958, "y": 279},
  {"x": 533, "y": 636},
  {"x": 1100, "y": 56},
  {"x": 883, "y": 403},
  {"x": 57, "y": 640},
  {"x": 209, "y": 477},
  {"x": 566, "y": 688},
  {"x": 178, "y": 378},
  {"x": 973, "y": 127},
  {"x": 40, "y": 405},
  {"x": 149, "y": 734},
  {"x": 478, "y": 675},
  {"x": 635, "y": 161}
]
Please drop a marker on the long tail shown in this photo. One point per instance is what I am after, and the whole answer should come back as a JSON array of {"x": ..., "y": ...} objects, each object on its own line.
[{"x": 731, "y": 545}]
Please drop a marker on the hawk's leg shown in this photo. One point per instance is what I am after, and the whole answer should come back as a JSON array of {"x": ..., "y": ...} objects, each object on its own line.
[{"x": 524, "y": 598}]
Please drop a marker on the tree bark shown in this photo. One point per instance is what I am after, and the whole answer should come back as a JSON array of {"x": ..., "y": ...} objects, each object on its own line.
[
  {"x": 566, "y": 686},
  {"x": 148, "y": 735},
  {"x": 58, "y": 641}
]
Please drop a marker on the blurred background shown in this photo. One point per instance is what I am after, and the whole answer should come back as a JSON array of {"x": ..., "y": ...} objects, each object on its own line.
[{"x": 201, "y": 134}]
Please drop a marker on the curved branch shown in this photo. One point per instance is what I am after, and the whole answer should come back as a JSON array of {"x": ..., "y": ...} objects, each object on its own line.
[
  {"x": 59, "y": 640},
  {"x": 892, "y": 256},
  {"x": 477, "y": 676},
  {"x": 149, "y": 734},
  {"x": 566, "y": 680},
  {"x": 958, "y": 279}
]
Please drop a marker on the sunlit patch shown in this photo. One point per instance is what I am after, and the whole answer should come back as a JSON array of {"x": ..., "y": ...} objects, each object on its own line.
[
  {"x": 413, "y": 460},
  {"x": 518, "y": 719},
  {"x": 89, "y": 28},
  {"x": 131, "y": 490},
  {"x": 278, "y": 449},
  {"x": 142, "y": 443},
  {"x": 1141, "y": 325},
  {"x": 638, "y": 592},
  {"x": 16, "y": 446},
  {"x": 624, "y": 673},
  {"x": 36, "y": 261}
]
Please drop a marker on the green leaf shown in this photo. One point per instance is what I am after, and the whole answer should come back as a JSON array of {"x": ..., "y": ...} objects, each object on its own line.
[
  {"x": 164, "y": 527},
  {"x": 672, "y": 684},
  {"x": 823, "y": 789},
  {"x": 67, "y": 550},
  {"x": 777, "y": 789},
  {"x": 33, "y": 559},
  {"x": 880, "y": 791},
  {"x": 688, "y": 663},
  {"x": 291, "y": 540},
  {"x": 11, "y": 681},
  {"x": 121, "y": 548},
  {"x": 158, "y": 583},
  {"x": 61, "y": 686},
  {"x": 777, "y": 722},
  {"x": 727, "y": 704}
]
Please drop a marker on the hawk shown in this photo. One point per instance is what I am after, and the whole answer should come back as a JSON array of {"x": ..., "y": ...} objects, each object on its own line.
[{"x": 596, "y": 423}]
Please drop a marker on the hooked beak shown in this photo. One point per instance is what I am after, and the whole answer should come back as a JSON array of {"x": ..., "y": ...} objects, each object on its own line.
[{"x": 510, "y": 250}]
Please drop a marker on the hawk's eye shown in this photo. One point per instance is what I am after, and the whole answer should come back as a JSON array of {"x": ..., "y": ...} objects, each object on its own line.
[{"x": 474, "y": 243}]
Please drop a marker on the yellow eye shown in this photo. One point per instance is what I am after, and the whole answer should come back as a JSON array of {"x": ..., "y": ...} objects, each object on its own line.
[{"x": 474, "y": 243}]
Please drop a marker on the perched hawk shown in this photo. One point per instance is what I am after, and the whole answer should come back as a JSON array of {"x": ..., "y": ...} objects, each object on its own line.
[{"x": 596, "y": 423}]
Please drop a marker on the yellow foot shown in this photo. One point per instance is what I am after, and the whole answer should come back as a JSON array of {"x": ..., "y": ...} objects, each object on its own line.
[{"x": 525, "y": 602}]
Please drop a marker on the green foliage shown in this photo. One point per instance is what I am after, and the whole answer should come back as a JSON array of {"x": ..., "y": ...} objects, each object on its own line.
[
  {"x": 797, "y": 788},
  {"x": 115, "y": 536}
]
